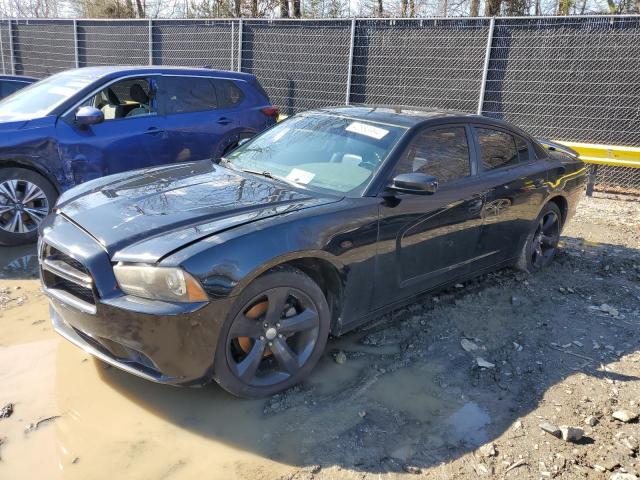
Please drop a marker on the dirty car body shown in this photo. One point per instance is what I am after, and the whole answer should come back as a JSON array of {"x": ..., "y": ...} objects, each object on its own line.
[{"x": 399, "y": 232}]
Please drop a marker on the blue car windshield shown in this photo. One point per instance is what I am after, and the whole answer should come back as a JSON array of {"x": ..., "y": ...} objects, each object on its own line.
[
  {"x": 319, "y": 151},
  {"x": 41, "y": 98}
]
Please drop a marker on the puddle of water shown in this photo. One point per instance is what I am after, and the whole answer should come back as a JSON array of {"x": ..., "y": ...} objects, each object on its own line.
[
  {"x": 18, "y": 262},
  {"x": 468, "y": 424},
  {"x": 115, "y": 425},
  {"x": 412, "y": 391}
]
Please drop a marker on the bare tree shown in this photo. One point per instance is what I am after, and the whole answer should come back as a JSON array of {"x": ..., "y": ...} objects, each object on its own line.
[
  {"x": 492, "y": 8},
  {"x": 284, "y": 8},
  {"x": 30, "y": 8},
  {"x": 297, "y": 12},
  {"x": 474, "y": 10}
]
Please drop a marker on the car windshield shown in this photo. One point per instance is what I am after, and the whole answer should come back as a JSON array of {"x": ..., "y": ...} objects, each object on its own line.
[
  {"x": 41, "y": 98},
  {"x": 320, "y": 152}
]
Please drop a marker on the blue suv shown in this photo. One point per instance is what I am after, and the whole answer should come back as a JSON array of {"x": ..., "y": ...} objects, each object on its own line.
[{"x": 86, "y": 123}]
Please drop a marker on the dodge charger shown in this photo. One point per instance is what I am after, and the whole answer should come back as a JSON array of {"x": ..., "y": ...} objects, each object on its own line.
[{"x": 239, "y": 271}]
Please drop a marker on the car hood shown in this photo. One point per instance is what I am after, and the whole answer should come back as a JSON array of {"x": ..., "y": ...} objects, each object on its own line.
[
  {"x": 144, "y": 215},
  {"x": 12, "y": 121}
]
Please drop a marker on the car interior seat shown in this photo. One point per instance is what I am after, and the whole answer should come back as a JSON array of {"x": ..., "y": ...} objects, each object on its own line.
[
  {"x": 138, "y": 95},
  {"x": 110, "y": 105}
]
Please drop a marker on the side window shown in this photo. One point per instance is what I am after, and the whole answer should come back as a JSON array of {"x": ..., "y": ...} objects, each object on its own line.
[
  {"x": 441, "y": 153},
  {"x": 7, "y": 88},
  {"x": 188, "y": 94},
  {"x": 498, "y": 149},
  {"x": 523, "y": 149},
  {"x": 128, "y": 98},
  {"x": 228, "y": 93}
]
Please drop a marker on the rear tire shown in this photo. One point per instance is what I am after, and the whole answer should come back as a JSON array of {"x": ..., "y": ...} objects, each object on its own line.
[
  {"x": 26, "y": 198},
  {"x": 273, "y": 336},
  {"x": 542, "y": 242}
]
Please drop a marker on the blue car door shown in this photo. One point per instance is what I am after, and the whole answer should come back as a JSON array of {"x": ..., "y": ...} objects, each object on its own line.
[
  {"x": 131, "y": 136},
  {"x": 198, "y": 119}
]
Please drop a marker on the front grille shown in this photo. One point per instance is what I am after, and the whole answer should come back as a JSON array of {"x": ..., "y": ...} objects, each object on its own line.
[
  {"x": 66, "y": 278},
  {"x": 53, "y": 253}
]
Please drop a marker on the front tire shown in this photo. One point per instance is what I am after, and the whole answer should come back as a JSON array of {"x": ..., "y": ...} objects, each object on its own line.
[
  {"x": 542, "y": 242},
  {"x": 273, "y": 336},
  {"x": 26, "y": 198}
]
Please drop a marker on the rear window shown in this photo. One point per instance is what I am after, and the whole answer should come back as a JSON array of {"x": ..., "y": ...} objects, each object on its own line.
[
  {"x": 498, "y": 148},
  {"x": 188, "y": 94},
  {"x": 229, "y": 94},
  {"x": 8, "y": 87}
]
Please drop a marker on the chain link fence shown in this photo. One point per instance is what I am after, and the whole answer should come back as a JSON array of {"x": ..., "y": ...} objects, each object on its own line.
[{"x": 566, "y": 78}]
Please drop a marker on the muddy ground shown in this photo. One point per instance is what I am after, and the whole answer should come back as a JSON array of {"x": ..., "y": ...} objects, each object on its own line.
[{"x": 410, "y": 400}]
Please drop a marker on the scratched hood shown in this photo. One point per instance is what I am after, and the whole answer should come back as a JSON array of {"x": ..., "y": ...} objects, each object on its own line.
[{"x": 146, "y": 214}]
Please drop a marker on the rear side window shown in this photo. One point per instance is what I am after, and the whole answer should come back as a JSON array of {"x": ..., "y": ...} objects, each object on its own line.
[
  {"x": 523, "y": 149},
  {"x": 441, "y": 153},
  {"x": 7, "y": 88},
  {"x": 228, "y": 93},
  {"x": 498, "y": 149},
  {"x": 188, "y": 94}
]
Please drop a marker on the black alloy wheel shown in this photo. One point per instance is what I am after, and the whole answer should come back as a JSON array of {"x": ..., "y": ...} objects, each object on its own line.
[
  {"x": 542, "y": 243},
  {"x": 276, "y": 335},
  {"x": 545, "y": 239}
]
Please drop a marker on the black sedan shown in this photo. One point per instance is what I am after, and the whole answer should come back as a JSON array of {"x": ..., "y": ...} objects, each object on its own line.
[
  {"x": 12, "y": 83},
  {"x": 240, "y": 271}
]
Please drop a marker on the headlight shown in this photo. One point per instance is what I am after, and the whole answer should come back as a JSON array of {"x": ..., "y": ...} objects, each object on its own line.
[{"x": 159, "y": 283}]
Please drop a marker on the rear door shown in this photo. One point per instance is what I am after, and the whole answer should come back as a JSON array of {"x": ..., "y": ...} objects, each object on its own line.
[
  {"x": 199, "y": 114},
  {"x": 516, "y": 183},
  {"x": 427, "y": 240}
]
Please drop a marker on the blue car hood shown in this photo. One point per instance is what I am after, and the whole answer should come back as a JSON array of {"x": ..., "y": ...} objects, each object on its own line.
[
  {"x": 12, "y": 122},
  {"x": 146, "y": 214}
]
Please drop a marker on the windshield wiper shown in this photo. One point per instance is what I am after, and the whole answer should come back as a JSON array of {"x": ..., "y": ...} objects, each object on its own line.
[{"x": 262, "y": 173}]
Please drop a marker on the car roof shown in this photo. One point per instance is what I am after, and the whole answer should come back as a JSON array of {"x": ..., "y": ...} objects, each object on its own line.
[
  {"x": 410, "y": 117},
  {"x": 23, "y": 78},
  {"x": 118, "y": 70},
  {"x": 402, "y": 116}
]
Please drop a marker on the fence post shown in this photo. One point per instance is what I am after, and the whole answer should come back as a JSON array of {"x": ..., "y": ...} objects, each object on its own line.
[
  {"x": 233, "y": 42},
  {"x": 150, "y": 42},
  {"x": 11, "y": 52},
  {"x": 240, "y": 45},
  {"x": 75, "y": 43},
  {"x": 485, "y": 71},
  {"x": 353, "y": 38},
  {"x": 4, "y": 71}
]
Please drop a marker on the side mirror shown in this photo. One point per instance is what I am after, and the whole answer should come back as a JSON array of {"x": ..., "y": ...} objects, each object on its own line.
[
  {"x": 86, "y": 116},
  {"x": 415, "y": 183}
]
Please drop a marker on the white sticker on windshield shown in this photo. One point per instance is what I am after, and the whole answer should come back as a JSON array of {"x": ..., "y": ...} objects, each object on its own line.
[
  {"x": 368, "y": 130},
  {"x": 300, "y": 176}
]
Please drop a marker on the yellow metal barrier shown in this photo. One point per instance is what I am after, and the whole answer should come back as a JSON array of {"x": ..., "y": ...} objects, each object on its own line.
[
  {"x": 604, "y": 156},
  {"x": 614, "y": 156}
]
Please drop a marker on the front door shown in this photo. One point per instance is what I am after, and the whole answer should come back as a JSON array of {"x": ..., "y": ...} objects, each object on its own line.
[
  {"x": 427, "y": 240},
  {"x": 131, "y": 136}
]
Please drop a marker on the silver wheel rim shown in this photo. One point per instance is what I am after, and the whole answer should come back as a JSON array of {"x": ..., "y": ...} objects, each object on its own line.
[{"x": 23, "y": 206}]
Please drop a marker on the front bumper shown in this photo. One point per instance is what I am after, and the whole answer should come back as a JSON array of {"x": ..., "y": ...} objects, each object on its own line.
[{"x": 159, "y": 341}]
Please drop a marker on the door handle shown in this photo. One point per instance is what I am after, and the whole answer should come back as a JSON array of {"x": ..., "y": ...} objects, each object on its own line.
[
  {"x": 153, "y": 131},
  {"x": 224, "y": 121}
]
